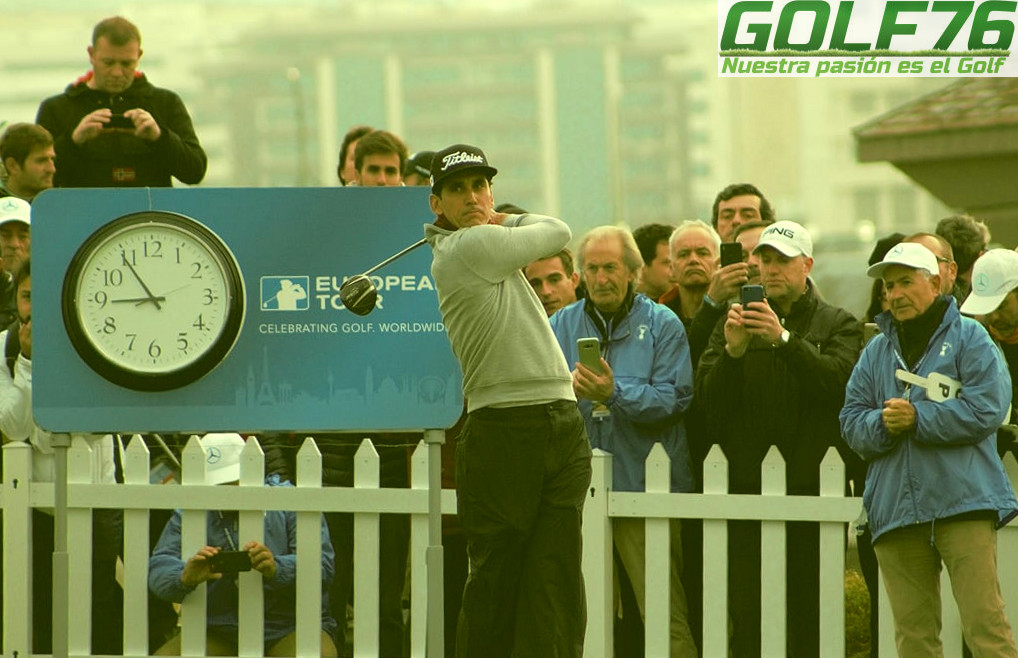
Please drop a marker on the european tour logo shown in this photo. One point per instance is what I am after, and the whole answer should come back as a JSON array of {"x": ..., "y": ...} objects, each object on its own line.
[{"x": 875, "y": 38}]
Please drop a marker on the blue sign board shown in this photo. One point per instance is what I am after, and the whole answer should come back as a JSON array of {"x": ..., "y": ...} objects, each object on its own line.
[{"x": 302, "y": 362}]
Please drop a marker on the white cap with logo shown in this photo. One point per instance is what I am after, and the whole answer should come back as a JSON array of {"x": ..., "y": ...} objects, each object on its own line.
[
  {"x": 222, "y": 457},
  {"x": 908, "y": 254},
  {"x": 13, "y": 209},
  {"x": 994, "y": 274},
  {"x": 789, "y": 238}
]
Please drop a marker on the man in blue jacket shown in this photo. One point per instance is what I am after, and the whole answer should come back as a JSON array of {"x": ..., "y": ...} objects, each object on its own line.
[
  {"x": 922, "y": 407},
  {"x": 638, "y": 399},
  {"x": 172, "y": 578}
]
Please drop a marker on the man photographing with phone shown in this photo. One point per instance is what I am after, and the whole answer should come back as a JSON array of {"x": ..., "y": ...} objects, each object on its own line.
[
  {"x": 637, "y": 396},
  {"x": 113, "y": 128},
  {"x": 226, "y": 554},
  {"x": 774, "y": 374}
]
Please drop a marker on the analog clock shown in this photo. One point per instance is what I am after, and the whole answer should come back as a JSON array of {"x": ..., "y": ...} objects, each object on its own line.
[{"x": 153, "y": 301}]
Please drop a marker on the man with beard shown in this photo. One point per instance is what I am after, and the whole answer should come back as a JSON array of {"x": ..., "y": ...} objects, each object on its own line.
[{"x": 29, "y": 161}]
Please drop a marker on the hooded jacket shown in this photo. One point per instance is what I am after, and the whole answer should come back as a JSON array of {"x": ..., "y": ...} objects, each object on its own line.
[
  {"x": 166, "y": 565},
  {"x": 948, "y": 464},
  {"x": 496, "y": 324},
  {"x": 118, "y": 159},
  {"x": 649, "y": 358},
  {"x": 788, "y": 396}
]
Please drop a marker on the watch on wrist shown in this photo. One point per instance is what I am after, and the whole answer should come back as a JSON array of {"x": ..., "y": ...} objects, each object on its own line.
[
  {"x": 711, "y": 303},
  {"x": 783, "y": 339}
]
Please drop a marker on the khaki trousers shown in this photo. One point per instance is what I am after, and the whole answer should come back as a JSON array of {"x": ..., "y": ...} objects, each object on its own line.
[{"x": 910, "y": 561}]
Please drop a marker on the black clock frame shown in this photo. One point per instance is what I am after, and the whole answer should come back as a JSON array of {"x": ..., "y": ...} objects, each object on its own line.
[{"x": 135, "y": 379}]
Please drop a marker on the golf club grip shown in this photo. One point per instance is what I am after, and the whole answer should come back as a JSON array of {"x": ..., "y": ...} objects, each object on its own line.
[{"x": 395, "y": 256}]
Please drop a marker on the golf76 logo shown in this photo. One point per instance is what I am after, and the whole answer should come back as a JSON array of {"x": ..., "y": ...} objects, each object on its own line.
[{"x": 285, "y": 293}]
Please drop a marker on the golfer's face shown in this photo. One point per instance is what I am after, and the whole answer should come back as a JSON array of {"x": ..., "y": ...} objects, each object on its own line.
[{"x": 465, "y": 199}]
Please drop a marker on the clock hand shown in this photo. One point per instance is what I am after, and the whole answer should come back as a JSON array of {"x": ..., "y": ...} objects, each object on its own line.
[
  {"x": 151, "y": 298},
  {"x": 170, "y": 292},
  {"x": 138, "y": 300}
]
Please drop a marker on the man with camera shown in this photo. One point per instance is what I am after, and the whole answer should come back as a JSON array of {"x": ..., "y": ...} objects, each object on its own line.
[
  {"x": 774, "y": 374},
  {"x": 113, "y": 128},
  {"x": 632, "y": 394}
]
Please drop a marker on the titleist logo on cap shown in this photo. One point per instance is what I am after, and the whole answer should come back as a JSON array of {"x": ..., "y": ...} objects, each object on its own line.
[{"x": 459, "y": 157}]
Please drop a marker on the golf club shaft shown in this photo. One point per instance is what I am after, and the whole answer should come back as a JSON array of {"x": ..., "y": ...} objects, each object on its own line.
[{"x": 395, "y": 256}]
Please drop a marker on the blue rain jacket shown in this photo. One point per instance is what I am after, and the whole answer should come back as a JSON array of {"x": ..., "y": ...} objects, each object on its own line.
[
  {"x": 649, "y": 357},
  {"x": 948, "y": 465}
]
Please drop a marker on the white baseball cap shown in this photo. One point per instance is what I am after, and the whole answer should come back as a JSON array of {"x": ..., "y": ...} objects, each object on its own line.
[
  {"x": 909, "y": 254},
  {"x": 789, "y": 238},
  {"x": 994, "y": 274},
  {"x": 222, "y": 457},
  {"x": 13, "y": 209}
]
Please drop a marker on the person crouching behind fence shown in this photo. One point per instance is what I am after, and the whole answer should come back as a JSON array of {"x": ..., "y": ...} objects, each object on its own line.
[
  {"x": 923, "y": 406},
  {"x": 172, "y": 579}
]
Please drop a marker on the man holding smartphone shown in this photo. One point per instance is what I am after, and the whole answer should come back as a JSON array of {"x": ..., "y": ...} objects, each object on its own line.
[
  {"x": 522, "y": 459},
  {"x": 637, "y": 397},
  {"x": 173, "y": 579},
  {"x": 113, "y": 128},
  {"x": 774, "y": 374}
]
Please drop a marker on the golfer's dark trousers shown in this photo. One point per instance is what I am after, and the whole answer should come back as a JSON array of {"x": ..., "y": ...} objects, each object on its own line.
[{"x": 522, "y": 474}]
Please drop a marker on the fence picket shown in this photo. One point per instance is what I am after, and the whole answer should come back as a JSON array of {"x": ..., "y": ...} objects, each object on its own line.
[
  {"x": 832, "y": 561},
  {"x": 365, "y": 555},
  {"x": 309, "y": 555},
  {"x": 251, "y": 527},
  {"x": 419, "y": 575},
  {"x": 598, "y": 560},
  {"x": 657, "y": 558},
  {"x": 192, "y": 537},
  {"x": 17, "y": 565},
  {"x": 79, "y": 563},
  {"x": 136, "y": 552},
  {"x": 715, "y": 559},
  {"x": 773, "y": 544}
]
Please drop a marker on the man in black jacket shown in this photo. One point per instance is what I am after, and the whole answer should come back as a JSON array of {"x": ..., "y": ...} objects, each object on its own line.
[
  {"x": 774, "y": 374},
  {"x": 113, "y": 128}
]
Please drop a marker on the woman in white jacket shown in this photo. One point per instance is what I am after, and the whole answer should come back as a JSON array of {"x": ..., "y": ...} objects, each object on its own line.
[{"x": 17, "y": 424}]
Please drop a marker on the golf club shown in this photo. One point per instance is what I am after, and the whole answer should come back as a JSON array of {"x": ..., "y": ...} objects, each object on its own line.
[{"x": 359, "y": 294}]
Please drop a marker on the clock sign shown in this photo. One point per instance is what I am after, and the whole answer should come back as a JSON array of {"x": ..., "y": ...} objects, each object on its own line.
[{"x": 153, "y": 301}]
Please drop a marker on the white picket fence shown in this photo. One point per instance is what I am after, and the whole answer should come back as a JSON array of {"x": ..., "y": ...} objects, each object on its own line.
[{"x": 366, "y": 500}]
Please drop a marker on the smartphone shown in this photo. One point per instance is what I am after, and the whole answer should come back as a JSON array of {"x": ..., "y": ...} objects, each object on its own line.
[
  {"x": 121, "y": 122},
  {"x": 869, "y": 331},
  {"x": 590, "y": 353},
  {"x": 751, "y": 293},
  {"x": 230, "y": 561},
  {"x": 731, "y": 252}
]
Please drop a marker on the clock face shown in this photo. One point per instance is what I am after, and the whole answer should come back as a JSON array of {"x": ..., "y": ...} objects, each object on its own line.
[{"x": 153, "y": 301}]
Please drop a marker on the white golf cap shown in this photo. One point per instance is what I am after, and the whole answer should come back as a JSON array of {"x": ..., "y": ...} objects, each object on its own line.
[
  {"x": 908, "y": 254},
  {"x": 994, "y": 274},
  {"x": 222, "y": 457},
  {"x": 13, "y": 209},
  {"x": 789, "y": 238}
]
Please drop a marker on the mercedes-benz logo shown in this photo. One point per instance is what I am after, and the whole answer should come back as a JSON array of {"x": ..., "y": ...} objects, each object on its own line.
[
  {"x": 215, "y": 455},
  {"x": 982, "y": 282}
]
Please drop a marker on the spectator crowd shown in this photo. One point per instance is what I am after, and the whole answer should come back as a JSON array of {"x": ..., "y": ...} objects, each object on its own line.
[{"x": 705, "y": 333}]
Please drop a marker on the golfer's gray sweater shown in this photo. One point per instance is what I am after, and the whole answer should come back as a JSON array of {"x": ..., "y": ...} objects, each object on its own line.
[{"x": 496, "y": 324}]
